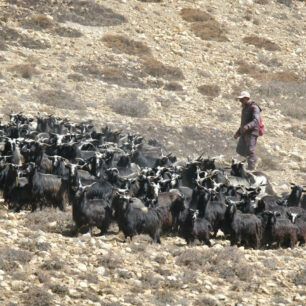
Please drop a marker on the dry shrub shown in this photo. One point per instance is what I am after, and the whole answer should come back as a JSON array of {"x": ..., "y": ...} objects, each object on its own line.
[
  {"x": 280, "y": 89},
  {"x": 245, "y": 68},
  {"x": 207, "y": 301},
  {"x": 209, "y": 90},
  {"x": 59, "y": 289},
  {"x": 195, "y": 15},
  {"x": 285, "y": 2},
  {"x": 42, "y": 276},
  {"x": 285, "y": 76},
  {"x": 157, "y": 69},
  {"x": 67, "y": 32},
  {"x": 261, "y": 42},
  {"x": 75, "y": 77},
  {"x": 33, "y": 246},
  {"x": 209, "y": 30},
  {"x": 228, "y": 263},
  {"x": 34, "y": 44},
  {"x": 60, "y": 99},
  {"x": 12, "y": 37},
  {"x": 262, "y": 2},
  {"x": 173, "y": 86},
  {"x": 149, "y": 280},
  {"x": 53, "y": 264},
  {"x": 26, "y": 71},
  {"x": 300, "y": 278},
  {"x": 110, "y": 261},
  {"x": 89, "y": 277},
  {"x": 163, "y": 297},
  {"x": 130, "y": 105},
  {"x": 38, "y": 21},
  {"x": 19, "y": 276},
  {"x": 290, "y": 96},
  {"x": 39, "y": 220},
  {"x": 9, "y": 257},
  {"x": 121, "y": 76},
  {"x": 294, "y": 108},
  {"x": 38, "y": 297},
  {"x": 92, "y": 296},
  {"x": 115, "y": 75},
  {"x": 122, "y": 44},
  {"x": 89, "y": 13},
  {"x": 85, "y": 12},
  {"x": 270, "y": 62},
  {"x": 154, "y": 83},
  {"x": 153, "y": 1}
]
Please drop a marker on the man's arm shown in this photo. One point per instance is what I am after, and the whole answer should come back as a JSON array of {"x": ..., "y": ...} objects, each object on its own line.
[{"x": 255, "y": 117}]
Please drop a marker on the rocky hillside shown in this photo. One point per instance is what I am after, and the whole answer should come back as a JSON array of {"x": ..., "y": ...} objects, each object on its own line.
[{"x": 168, "y": 69}]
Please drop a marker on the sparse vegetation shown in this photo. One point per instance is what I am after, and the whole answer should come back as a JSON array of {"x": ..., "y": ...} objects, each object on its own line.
[
  {"x": 58, "y": 289},
  {"x": 300, "y": 278},
  {"x": 209, "y": 90},
  {"x": 245, "y": 68},
  {"x": 289, "y": 94},
  {"x": 261, "y": 42},
  {"x": 204, "y": 25},
  {"x": 40, "y": 220},
  {"x": 67, "y": 32},
  {"x": 38, "y": 297},
  {"x": 25, "y": 71},
  {"x": 130, "y": 105},
  {"x": 38, "y": 21},
  {"x": 209, "y": 30},
  {"x": 173, "y": 86},
  {"x": 157, "y": 69},
  {"x": 153, "y": 1},
  {"x": 227, "y": 263},
  {"x": 195, "y": 15},
  {"x": 53, "y": 264},
  {"x": 60, "y": 99},
  {"x": 263, "y": 2},
  {"x": 76, "y": 77},
  {"x": 121, "y": 76},
  {"x": 9, "y": 257},
  {"x": 110, "y": 261},
  {"x": 285, "y": 76},
  {"x": 268, "y": 61},
  {"x": 123, "y": 44}
]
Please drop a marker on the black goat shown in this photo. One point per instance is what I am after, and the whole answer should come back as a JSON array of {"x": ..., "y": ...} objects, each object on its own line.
[
  {"x": 244, "y": 229},
  {"x": 47, "y": 189},
  {"x": 90, "y": 212},
  {"x": 301, "y": 233},
  {"x": 279, "y": 230},
  {"x": 133, "y": 221}
]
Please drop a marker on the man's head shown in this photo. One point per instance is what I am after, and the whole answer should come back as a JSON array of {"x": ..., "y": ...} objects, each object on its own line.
[{"x": 244, "y": 98}]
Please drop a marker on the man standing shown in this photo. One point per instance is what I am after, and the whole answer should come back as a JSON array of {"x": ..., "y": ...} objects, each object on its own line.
[{"x": 249, "y": 129}]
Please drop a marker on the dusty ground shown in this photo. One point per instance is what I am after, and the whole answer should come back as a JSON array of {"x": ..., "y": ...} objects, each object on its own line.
[{"x": 169, "y": 70}]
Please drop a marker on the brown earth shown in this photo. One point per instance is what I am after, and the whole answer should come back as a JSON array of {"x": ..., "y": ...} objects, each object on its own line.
[{"x": 170, "y": 70}]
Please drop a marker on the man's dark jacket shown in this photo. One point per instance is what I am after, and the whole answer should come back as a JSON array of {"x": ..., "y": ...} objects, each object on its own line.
[{"x": 250, "y": 115}]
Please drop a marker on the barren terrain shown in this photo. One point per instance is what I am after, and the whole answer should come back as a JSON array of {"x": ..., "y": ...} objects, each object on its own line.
[{"x": 168, "y": 69}]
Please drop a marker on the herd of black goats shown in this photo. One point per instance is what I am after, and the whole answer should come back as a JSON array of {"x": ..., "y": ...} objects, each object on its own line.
[{"x": 109, "y": 176}]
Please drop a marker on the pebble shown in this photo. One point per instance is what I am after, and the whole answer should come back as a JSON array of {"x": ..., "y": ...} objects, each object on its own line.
[
  {"x": 83, "y": 284},
  {"x": 81, "y": 267},
  {"x": 100, "y": 270},
  {"x": 221, "y": 297}
]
